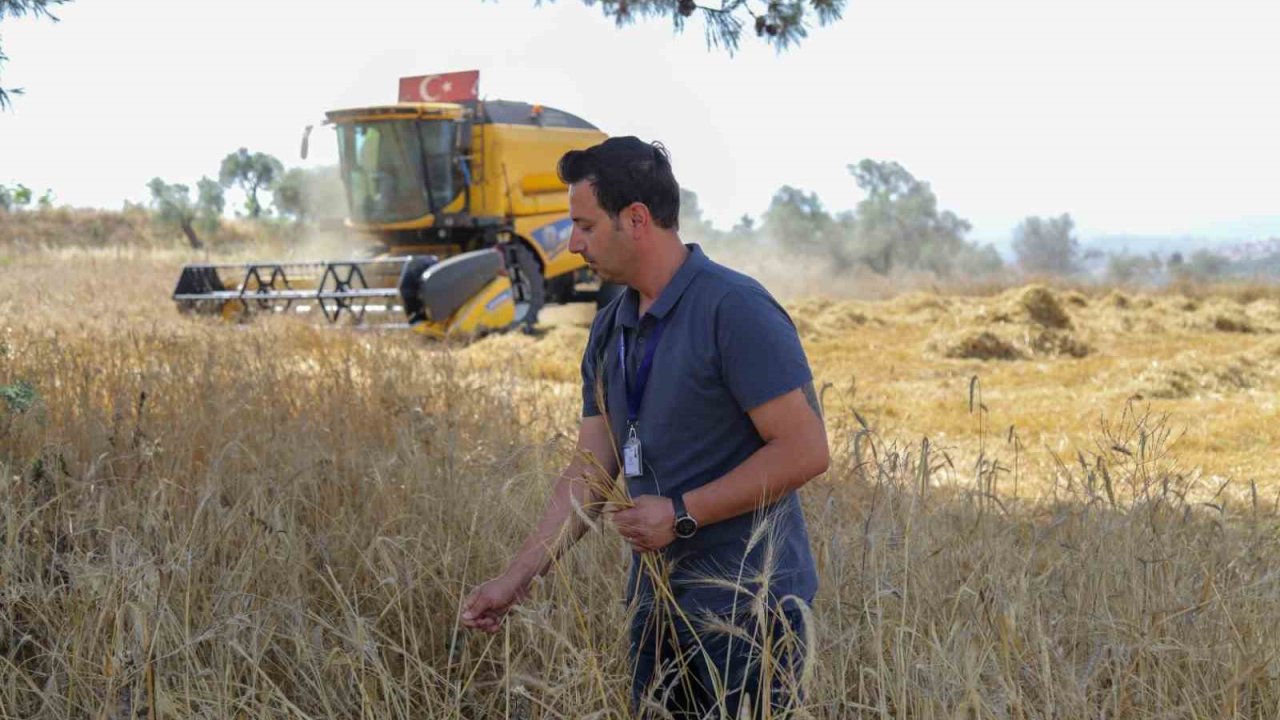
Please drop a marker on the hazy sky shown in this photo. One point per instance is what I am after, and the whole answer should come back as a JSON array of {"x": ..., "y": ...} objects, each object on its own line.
[{"x": 1147, "y": 117}]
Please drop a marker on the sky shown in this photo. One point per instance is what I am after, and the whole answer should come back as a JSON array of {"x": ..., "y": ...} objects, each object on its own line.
[{"x": 1138, "y": 117}]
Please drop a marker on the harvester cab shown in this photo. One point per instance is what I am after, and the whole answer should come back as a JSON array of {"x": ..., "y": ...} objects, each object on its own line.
[{"x": 458, "y": 202}]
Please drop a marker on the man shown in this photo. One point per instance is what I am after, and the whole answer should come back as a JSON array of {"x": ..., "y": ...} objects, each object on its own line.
[{"x": 709, "y": 413}]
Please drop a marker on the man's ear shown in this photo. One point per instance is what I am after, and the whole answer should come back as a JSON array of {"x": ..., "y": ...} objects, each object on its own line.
[{"x": 638, "y": 217}]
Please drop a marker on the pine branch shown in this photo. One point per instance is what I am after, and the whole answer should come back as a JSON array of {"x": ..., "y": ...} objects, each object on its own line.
[
  {"x": 780, "y": 23},
  {"x": 15, "y": 9},
  {"x": 37, "y": 8},
  {"x": 5, "y": 101}
]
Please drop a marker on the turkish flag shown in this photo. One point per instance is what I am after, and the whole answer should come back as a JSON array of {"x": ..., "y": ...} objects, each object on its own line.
[{"x": 445, "y": 87}]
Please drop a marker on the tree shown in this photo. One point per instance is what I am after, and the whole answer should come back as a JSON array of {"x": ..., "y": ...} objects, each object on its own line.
[
  {"x": 173, "y": 206},
  {"x": 252, "y": 172},
  {"x": 18, "y": 8},
  {"x": 308, "y": 195},
  {"x": 210, "y": 203},
  {"x": 289, "y": 195},
  {"x": 898, "y": 223},
  {"x": 975, "y": 261},
  {"x": 1046, "y": 245},
  {"x": 743, "y": 233},
  {"x": 19, "y": 197},
  {"x": 781, "y": 23},
  {"x": 1205, "y": 265},
  {"x": 1123, "y": 268},
  {"x": 691, "y": 220},
  {"x": 797, "y": 221}
]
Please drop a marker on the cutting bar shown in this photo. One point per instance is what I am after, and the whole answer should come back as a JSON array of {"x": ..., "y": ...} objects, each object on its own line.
[{"x": 337, "y": 287}]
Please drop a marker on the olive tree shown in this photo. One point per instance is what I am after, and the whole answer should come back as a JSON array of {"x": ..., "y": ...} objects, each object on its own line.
[
  {"x": 1047, "y": 245},
  {"x": 173, "y": 206},
  {"x": 252, "y": 172}
]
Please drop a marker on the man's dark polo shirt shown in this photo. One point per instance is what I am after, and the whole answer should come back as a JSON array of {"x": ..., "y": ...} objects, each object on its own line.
[{"x": 727, "y": 347}]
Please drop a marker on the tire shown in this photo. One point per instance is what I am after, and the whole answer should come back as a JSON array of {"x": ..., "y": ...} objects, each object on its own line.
[
  {"x": 561, "y": 289},
  {"x": 607, "y": 292},
  {"x": 529, "y": 287}
]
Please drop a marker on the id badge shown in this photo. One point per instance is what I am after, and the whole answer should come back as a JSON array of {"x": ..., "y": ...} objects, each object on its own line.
[{"x": 632, "y": 458}]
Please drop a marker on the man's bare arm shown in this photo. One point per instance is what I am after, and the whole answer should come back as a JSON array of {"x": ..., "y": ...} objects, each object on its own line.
[
  {"x": 794, "y": 452},
  {"x": 594, "y": 458},
  {"x": 558, "y": 529}
]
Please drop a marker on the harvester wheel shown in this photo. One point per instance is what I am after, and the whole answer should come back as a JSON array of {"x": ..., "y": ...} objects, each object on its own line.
[{"x": 529, "y": 287}]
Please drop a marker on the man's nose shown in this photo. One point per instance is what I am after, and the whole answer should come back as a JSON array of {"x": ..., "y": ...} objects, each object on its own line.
[{"x": 576, "y": 243}]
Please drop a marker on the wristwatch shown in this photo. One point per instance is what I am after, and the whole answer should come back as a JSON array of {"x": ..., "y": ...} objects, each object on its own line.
[{"x": 685, "y": 525}]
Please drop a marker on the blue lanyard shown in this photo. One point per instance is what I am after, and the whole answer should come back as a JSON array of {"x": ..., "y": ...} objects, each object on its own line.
[{"x": 636, "y": 393}]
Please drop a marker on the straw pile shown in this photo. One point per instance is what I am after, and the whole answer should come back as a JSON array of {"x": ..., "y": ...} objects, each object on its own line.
[
  {"x": 1122, "y": 314},
  {"x": 819, "y": 319},
  {"x": 1075, "y": 298},
  {"x": 1221, "y": 315},
  {"x": 1116, "y": 299},
  {"x": 1019, "y": 324},
  {"x": 979, "y": 345},
  {"x": 1040, "y": 306},
  {"x": 918, "y": 307},
  {"x": 1191, "y": 374}
]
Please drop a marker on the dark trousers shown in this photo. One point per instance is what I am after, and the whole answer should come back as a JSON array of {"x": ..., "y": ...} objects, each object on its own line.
[{"x": 707, "y": 672}]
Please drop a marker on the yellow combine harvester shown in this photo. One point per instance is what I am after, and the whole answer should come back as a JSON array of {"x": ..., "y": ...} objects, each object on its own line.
[{"x": 467, "y": 222}]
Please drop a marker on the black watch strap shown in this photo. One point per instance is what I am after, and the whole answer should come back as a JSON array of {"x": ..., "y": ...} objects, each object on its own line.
[
  {"x": 678, "y": 502},
  {"x": 685, "y": 524}
]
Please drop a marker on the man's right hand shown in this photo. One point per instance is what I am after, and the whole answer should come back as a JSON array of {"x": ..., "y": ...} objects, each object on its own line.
[{"x": 485, "y": 607}]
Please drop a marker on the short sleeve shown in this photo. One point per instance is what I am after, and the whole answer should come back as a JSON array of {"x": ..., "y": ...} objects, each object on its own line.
[
  {"x": 591, "y": 358},
  {"x": 590, "y": 406},
  {"x": 760, "y": 353}
]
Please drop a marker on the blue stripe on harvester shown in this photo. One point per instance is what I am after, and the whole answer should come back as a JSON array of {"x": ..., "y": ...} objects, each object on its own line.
[{"x": 553, "y": 237}]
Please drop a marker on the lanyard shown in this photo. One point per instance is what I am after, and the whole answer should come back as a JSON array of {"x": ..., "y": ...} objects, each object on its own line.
[{"x": 636, "y": 393}]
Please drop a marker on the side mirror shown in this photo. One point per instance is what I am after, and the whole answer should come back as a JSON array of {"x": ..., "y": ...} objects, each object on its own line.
[{"x": 306, "y": 137}]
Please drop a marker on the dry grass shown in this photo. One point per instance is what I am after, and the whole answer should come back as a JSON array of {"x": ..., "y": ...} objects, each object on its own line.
[
  {"x": 906, "y": 369},
  {"x": 279, "y": 520},
  {"x": 131, "y": 229}
]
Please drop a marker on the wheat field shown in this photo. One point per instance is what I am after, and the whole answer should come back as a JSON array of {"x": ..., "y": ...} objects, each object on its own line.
[{"x": 1043, "y": 503}]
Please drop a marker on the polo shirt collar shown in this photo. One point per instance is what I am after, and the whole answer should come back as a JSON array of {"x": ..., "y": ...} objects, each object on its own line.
[{"x": 628, "y": 309}]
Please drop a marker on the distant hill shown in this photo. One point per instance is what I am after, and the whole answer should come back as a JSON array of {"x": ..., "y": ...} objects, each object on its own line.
[
  {"x": 1254, "y": 258},
  {"x": 1252, "y": 250},
  {"x": 1163, "y": 245}
]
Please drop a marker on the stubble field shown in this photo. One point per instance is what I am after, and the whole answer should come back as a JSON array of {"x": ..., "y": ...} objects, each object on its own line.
[{"x": 1042, "y": 503}]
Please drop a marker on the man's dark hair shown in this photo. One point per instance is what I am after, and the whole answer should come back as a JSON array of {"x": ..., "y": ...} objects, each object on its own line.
[{"x": 625, "y": 170}]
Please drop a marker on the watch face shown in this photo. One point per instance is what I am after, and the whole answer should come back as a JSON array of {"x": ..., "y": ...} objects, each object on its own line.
[{"x": 686, "y": 526}]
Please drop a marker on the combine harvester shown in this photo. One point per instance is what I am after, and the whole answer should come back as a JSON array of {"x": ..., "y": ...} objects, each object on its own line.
[{"x": 458, "y": 201}]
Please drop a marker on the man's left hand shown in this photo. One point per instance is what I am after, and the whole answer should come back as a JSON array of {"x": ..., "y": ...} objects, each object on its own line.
[{"x": 648, "y": 526}]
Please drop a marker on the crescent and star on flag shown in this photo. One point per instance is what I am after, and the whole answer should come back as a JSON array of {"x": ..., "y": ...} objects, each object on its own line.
[{"x": 444, "y": 87}]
